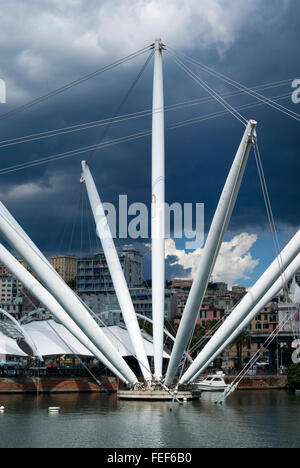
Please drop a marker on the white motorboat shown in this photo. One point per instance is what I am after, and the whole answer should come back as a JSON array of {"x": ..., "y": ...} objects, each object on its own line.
[{"x": 212, "y": 383}]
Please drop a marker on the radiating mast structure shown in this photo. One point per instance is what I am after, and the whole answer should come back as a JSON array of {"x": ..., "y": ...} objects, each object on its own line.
[
  {"x": 256, "y": 293},
  {"x": 51, "y": 304},
  {"x": 116, "y": 272},
  {"x": 158, "y": 210},
  {"x": 211, "y": 249},
  {"x": 271, "y": 293},
  {"x": 66, "y": 297}
]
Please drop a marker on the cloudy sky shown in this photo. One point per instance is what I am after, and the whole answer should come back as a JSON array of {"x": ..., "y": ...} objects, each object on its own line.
[{"x": 47, "y": 44}]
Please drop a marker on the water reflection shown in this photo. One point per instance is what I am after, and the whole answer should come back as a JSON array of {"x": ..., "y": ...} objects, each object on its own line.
[{"x": 247, "y": 419}]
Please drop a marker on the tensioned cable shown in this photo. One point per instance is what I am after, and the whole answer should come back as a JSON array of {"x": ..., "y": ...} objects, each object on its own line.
[
  {"x": 269, "y": 210},
  {"x": 98, "y": 382},
  {"x": 68, "y": 346},
  {"x": 77, "y": 211},
  {"x": 272, "y": 223},
  {"x": 239, "y": 86},
  {"x": 214, "y": 328},
  {"x": 76, "y": 152},
  {"x": 213, "y": 115},
  {"x": 100, "y": 321},
  {"x": 131, "y": 137},
  {"x": 213, "y": 263},
  {"x": 103, "y": 324},
  {"x": 210, "y": 332},
  {"x": 205, "y": 86},
  {"x": 252, "y": 361},
  {"x": 134, "y": 115},
  {"x": 74, "y": 83},
  {"x": 123, "y": 102}
]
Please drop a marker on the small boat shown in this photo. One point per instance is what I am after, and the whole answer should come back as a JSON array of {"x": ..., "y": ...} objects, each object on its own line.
[{"x": 212, "y": 383}]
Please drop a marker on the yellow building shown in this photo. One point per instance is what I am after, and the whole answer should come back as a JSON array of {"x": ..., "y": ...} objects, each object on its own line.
[{"x": 66, "y": 266}]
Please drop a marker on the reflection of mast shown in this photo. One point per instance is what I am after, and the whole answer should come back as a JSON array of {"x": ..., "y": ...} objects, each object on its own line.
[{"x": 158, "y": 210}]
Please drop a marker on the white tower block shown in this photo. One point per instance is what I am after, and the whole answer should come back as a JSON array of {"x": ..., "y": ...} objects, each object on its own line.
[
  {"x": 116, "y": 272},
  {"x": 256, "y": 293},
  {"x": 273, "y": 291},
  {"x": 211, "y": 249},
  {"x": 158, "y": 211},
  {"x": 66, "y": 297},
  {"x": 48, "y": 301}
]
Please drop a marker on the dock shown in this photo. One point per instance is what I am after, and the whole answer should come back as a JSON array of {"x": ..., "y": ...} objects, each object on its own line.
[{"x": 157, "y": 395}]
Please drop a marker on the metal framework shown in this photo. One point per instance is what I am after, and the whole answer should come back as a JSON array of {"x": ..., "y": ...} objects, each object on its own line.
[{"x": 63, "y": 303}]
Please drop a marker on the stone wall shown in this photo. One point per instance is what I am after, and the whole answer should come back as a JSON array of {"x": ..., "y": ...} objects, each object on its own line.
[
  {"x": 260, "y": 382},
  {"x": 52, "y": 385}
]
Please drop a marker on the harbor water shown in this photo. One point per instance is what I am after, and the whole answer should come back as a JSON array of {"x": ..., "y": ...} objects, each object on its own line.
[{"x": 247, "y": 419}]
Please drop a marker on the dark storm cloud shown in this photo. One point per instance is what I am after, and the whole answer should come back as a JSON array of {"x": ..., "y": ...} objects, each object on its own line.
[{"x": 44, "y": 46}]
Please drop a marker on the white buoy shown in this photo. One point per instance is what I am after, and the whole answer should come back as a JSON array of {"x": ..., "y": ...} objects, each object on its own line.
[
  {"x": 2, "y": 409},
  {"x": 54, "y": 409}
]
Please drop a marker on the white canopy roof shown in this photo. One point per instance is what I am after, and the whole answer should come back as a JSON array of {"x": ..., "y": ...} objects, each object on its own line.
[
  {"x": 53, "y": 339},
  {"x": 8, "y": 346}
]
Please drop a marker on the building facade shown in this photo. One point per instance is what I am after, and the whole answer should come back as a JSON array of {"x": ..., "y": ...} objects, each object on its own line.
[
  {"x": 66, "y": 266},
  {"x": 10, "y": 288},
  {"x": 93, "y": 275},
  {"x": 106, "y": 303}
]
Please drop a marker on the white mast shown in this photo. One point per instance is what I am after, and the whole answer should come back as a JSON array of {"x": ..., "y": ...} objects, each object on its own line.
[
  {"x": 272, "y": 292},
  {"x": 21, "y": 231},
  {"x": 256, "y": 293},
  {"x": 48, "y": 301},
  {"x": 158, "y": 210},
  {"x": 116, "y": 272},
  {"x": 211, "y": 250},
  {"x": 66, "y": 297}
]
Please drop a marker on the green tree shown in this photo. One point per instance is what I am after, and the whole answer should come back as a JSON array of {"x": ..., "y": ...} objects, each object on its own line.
[
  {"x": 243, "y": 340},
  {"x": 294, "y": 376},
  {"x": 72, "y": 284}
]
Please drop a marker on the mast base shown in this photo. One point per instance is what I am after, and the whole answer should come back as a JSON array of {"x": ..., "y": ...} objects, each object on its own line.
[{"x": 157, "y": 395}]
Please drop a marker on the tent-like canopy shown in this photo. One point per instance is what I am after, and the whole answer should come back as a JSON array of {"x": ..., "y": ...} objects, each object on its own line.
[
  {"x": 53, "y": 339},
  {"x": 8, "y": 346}
]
